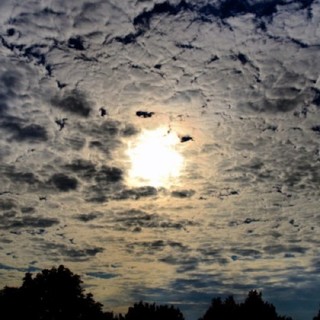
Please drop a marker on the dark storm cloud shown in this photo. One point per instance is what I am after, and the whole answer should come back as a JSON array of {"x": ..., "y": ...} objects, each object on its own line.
[
  {"x": 101, "y": 275},
  {"x": 276, "y": 105},
  {"x": 207, "y": 12},
  {"x": 280, "y": 249},
  {"x": 27, "y": 210},
  {"x": 250, "y": 220},
  {"x": 106, "y": 135},
  {"x": 104, "y": 147},
  {"x": 10, "y": 82},
  {"x": 129, "y": 130},
  {"x": 182, "y": 193},
  {"x": 3, "y": 105},
  {"x": 182, "y": 262},
  {"x": 212, "y": 255},
  {"x": 136, "y": 220},
  {"x": 33, "y": 222},
  {"x": 10, "y": 85},
  {"x": 35, "y": 53},
  {"x": 106, "y": 129},
  {"x": 231, "y": 8},
  {"x": 222, "y": 10},
  {"x": 254, "y": 170},
  {"x": 13, "y": 222},
  {"x": 96, "y": 195},
  {"x": 197, "y": 281},
  {"x": 19, "y": 176},
  {"x": 316, "y": 265},
  {"x": 222, "y": 193},
  {"x": 7, "y": 204},
  {"x": 83, "y": 253},
  {"x": 106, "y": 183},
  {"x": 242, "y": 58},
  {"x": 74, "y": 142},
  {"x": 142, "y": 21},
  {"x": 245, "y": 253},
  {"x": 316, "y": 99},
  {"x": 87, "y": 217},
  {"x": 316, "y": 129},
  {"x": 63, "y": 182},
  {"x": 24, "y": 270},
  {"x": 108, "y": 175},
  {"x": 303, "y": 174},
  {"x": 70, "y": 252},
  {"x": 22, "y": 132},
  {"x": 82, "y": 168},
  {"x": 278, "y": 98},
  {"x": 74, "y": 102},
  {"x": 76, "y": 43},
  {"x": 153, "y": 247},
  {"x": 31, "y": 132},
  {"x": 135, "y": 193}
]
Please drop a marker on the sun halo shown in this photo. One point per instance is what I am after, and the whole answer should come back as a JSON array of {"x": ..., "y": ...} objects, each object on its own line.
[{"x": 154, "y": 159}]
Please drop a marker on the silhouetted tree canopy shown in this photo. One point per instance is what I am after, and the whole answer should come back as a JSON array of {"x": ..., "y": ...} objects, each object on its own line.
[
  {"x": 54, "y": 294},
  {"x": 317, "y": 317},
  {"x": 146, "y": 311},
  {"x": 252, "y": 308}
]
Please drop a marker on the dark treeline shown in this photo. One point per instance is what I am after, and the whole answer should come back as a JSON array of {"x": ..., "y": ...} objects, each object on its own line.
[{"x": 56, "y": 294}]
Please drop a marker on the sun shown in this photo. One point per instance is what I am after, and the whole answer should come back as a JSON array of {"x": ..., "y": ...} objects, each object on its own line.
[{"x": 154, "y": 159}]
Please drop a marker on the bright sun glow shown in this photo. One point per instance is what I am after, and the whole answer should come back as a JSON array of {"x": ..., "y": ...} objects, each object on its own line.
[{"x": 154, "y": 159}]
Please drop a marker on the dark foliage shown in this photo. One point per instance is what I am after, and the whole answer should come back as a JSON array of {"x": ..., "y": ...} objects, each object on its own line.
[
  {"x": 146, "y": 311},
  {"x": 54, "y": 294},
  {"x": 317, "y": 317},
  {"x": 252, "y": 308}
]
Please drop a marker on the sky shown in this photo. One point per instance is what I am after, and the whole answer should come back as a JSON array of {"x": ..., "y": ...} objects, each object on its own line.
[{"x": 165, "y": 151}]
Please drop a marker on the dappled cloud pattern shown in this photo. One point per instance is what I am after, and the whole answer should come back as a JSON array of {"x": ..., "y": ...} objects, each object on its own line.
[{"x": 237, "y": 82}]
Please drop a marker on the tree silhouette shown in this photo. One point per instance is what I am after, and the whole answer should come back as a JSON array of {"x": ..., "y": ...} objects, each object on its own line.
[
  {"x": 219, "y": 309},
  {"x": 252, "y": 308},
  {"x": 146, "y": 311},
  {"x": 54, "y": 294},
  {"x": 317, "y": 317}
]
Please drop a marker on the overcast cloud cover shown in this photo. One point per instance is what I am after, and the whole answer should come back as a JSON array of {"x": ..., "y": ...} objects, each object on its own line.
[{"x": 239, "y": 77}]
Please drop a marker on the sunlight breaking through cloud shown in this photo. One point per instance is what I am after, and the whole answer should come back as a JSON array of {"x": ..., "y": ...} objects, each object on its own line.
[{"x": 154, "y": 159}]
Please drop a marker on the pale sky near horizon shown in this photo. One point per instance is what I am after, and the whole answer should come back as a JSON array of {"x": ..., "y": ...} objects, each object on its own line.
[{"x": 212, "y": 190}]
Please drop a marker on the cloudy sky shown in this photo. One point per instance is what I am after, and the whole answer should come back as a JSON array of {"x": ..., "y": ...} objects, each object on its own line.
[{"x": 163, "y": 150}]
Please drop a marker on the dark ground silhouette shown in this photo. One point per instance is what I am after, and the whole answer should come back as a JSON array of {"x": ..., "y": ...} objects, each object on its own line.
[{"x": 56, "y": 294}]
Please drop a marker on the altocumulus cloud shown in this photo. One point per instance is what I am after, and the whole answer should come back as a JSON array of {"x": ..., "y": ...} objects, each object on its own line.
[{"x": 238, "y": 77}]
